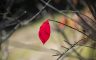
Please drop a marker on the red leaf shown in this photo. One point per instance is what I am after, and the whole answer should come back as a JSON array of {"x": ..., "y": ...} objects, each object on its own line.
[{"x": 44, "y": 32}]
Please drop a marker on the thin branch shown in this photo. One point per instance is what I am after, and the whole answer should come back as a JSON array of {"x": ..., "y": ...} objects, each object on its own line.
[
  {"x": 68, "y": 50},
  {"x": 18, "y": 25},
  {"x": 68, "y": 42},
  {"x": 69, "y": 27},
  {"x": 91, "y": 9},
  {"x": 84, "y": 24},
  {"x": 61, "y": 12},
  {"x": 38, "y": 12},
  {"x": 10, "y": 34}
]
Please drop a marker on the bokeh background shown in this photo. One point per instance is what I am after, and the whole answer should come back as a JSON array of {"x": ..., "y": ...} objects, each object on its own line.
[{"x": 20, "y": 21}]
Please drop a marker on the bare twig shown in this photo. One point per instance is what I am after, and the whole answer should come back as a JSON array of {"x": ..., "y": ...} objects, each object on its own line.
[
  {"x": 68, "y": 42},
  {"x": 69, "y": 27}
]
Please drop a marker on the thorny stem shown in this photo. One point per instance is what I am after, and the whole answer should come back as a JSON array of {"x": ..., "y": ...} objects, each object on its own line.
[
  {"x": 68, "y": 50},
  {"x": 66, "y": 41},
  {"x": 69, "y": 27}
]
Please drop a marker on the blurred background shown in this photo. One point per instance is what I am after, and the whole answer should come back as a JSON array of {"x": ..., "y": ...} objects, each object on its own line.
[{"x": 72, "y": 24}]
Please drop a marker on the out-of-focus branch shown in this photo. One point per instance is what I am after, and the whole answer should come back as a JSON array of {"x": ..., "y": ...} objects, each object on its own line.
[{"x": 29, "y": 20}]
